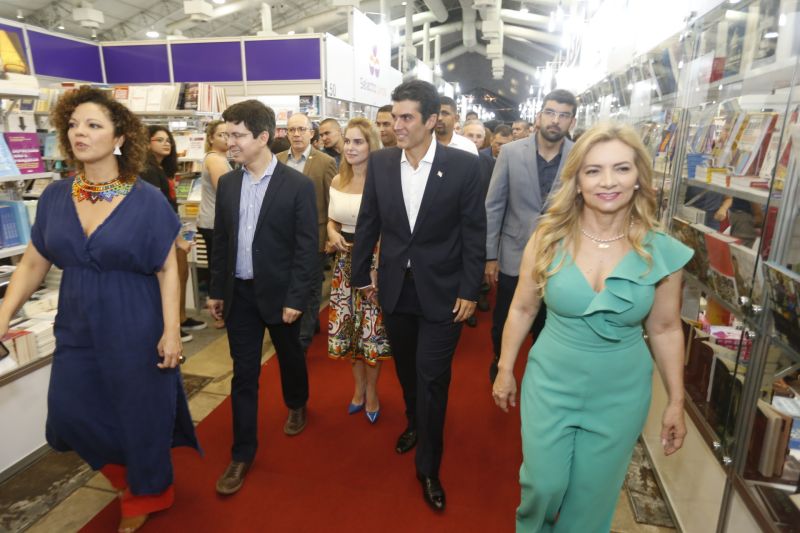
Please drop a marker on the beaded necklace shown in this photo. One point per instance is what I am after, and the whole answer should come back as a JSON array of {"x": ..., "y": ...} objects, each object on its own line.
[{"x": 86, "y": 190}]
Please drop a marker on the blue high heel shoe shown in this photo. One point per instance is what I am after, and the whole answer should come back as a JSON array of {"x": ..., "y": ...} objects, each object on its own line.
[
  {"x": 353, "y": 408},
  {"x": 372, "y": 416}
]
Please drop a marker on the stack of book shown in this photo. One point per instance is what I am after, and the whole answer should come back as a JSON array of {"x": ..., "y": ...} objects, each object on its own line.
[
  {"x": 42, "y": 331},
  {"x": 15, "y": 226},
  {"x": 42, "y": 301}
]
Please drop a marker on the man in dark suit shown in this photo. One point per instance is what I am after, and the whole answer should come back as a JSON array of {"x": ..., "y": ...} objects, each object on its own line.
[
  {"x": 262, "y": 275},
  {"x": 320, "y": 169},
  {"x": 423, "y": 200}
]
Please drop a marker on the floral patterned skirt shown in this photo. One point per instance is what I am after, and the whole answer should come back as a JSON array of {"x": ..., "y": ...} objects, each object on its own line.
[{"x": 355, "y": 324}]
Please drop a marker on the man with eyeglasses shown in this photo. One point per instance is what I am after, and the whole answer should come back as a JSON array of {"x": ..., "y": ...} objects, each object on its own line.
[
  {"x": 262, "y": 275},
  {"x": 321, "y": 169},
  {"x": 524, "y": 175}
]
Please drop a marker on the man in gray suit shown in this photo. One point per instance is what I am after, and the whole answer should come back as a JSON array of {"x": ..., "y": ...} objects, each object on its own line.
[{"x": 525, "y": 173}]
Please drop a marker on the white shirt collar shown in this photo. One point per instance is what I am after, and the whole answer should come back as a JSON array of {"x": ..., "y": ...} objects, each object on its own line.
[
  {"x": 304, "y": 155},
  {"x": 427, "y": 158}
]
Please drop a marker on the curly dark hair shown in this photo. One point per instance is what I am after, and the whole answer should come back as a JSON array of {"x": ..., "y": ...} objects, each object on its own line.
[
  {"x": 170, "y": 162},
  {"x": 135, "y": 147}
]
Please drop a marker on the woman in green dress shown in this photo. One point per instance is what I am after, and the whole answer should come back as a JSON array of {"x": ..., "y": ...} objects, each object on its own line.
[{"x": 606, "y": 272}]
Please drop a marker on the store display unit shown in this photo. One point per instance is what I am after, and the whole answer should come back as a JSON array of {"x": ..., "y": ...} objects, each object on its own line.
[{"x": 718, "y": 105}]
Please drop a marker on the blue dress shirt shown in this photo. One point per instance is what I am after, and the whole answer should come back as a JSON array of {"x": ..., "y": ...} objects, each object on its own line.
[{"x": 250, "y": 200}]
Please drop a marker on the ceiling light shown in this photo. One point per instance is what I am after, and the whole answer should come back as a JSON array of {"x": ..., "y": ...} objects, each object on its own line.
[
  {"x": 153, "y": 34},
  {"x": 60, "y": 25},
  {"x": 290, "y": 32},
  {"x": 782, "y": 20},
  {"x": 19, "y": 14},
  {"x": 218, "y": 2},
  {"x": 771, "y": 35}
]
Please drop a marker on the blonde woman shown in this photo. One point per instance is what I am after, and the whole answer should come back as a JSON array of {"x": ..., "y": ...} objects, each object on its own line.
[
  {"x": 215, "y": 164},
  {"x": 604, "y": 268},
  {"x": 355, "y": 329}
]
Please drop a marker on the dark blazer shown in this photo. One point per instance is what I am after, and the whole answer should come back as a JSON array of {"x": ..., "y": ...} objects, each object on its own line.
[
  {"x": 486, "y": 162},
  {"x": 447, "y": 246},
  {"x": 284, "y": 245}
]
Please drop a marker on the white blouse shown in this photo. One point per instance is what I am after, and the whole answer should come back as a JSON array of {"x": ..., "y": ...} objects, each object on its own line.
[{"x": 343, "y": 208}]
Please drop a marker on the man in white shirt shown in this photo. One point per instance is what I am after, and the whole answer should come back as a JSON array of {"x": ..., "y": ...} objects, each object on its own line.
[
  {"x": 423, "y": 201},
  {"x": 445, "y": 127}
]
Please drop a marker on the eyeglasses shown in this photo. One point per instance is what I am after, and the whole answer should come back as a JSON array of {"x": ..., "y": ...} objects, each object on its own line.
[
  {"x": 550, "y": 114},
  {"x": 297, "y": 130},
  {"x": 162, "y": 140}
]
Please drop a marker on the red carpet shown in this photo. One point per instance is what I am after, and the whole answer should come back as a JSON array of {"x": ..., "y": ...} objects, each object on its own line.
[{"x": 342, "y": 474}]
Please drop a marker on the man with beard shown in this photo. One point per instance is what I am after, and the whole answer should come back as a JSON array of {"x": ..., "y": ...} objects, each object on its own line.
[{"x": 525, "y": 173}]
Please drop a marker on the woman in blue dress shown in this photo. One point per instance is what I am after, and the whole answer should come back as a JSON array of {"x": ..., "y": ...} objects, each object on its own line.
[
  {"x": 604, "y": 269},
  {"x": 115, "y": 395}
]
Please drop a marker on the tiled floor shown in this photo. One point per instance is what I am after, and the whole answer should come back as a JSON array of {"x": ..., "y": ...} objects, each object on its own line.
[{"x": 208, "y": 356}]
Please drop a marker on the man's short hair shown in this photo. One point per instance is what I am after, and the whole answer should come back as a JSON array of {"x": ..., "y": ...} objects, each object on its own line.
[
  {"x": 446, "y": 100},
  {"x": 502, "y": 130},
  {"x": 256, "y": 116},
  {"x": 331, "y": 121},
  {"x": 561, "y": 96},
  {"x": 521, "y": 121},
  {"x": 423, "y": 93},
  {"x": 385, "y": 109},
  {"x": 471, "y": 112},
  {"x": 474, "y": 122}
]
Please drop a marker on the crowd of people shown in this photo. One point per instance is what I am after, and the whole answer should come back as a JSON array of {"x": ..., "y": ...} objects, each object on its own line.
[{"x": 424, "y": 217}]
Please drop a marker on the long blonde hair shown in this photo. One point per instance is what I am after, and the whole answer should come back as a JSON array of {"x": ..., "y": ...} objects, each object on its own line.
[
  {"x": 372, "y": 137},
  {"x": 560, "y": 223}
]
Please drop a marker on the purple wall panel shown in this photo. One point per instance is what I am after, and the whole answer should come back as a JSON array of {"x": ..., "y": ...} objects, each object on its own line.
[
  {"x": 207, "y": 61},
  {"x": 65, "y": 58},
  {"x": 136, "y": 64},
  {"x": 282, "y": 59}
]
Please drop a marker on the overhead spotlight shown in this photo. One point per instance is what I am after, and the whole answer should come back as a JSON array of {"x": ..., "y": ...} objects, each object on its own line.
[
  {"x": 151, "y": 33},
  {"x": 60, "y": 25},
  {"x": 218, "y": 2},
  {"x": 94, "y": 34},
  {"x": 290, "y": 32},
  {"x": 19, "y": 14},
  {"x": 771, "y": 35}
]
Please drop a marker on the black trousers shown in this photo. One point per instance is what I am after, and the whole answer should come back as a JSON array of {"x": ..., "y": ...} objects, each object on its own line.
[
  {"x": 246, "y": 339},
  {"x": 506, "y": 285},
  {"x": 423, "y": 353}
]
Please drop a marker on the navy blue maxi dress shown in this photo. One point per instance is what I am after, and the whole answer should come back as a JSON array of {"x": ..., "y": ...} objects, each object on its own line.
[{"x": 108, "y": 401}]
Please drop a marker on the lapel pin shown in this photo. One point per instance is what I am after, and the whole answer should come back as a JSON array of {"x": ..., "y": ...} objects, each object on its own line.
[{"x": 440, "y": 174}]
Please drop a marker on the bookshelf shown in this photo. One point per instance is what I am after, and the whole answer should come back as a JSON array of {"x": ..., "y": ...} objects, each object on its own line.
[
  {"x": 12, "y": 251},
  {"x": 34, "y": 176},
  {"x": 734, "y": 106}
]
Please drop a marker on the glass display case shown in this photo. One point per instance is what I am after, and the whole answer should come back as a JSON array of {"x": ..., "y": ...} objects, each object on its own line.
[{"x": 717, "y": 105}]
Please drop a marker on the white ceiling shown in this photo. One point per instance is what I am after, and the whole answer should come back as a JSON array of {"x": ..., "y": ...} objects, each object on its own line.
[{"x": 131, "y": 19}]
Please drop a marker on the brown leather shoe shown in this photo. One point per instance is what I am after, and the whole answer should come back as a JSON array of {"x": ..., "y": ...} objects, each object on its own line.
[
  {"x": 233, "y": 478},
  {"x": 296, "y": 421}
]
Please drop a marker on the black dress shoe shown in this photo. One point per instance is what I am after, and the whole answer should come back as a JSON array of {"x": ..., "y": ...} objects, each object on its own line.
[
  {"x": 406, "y": 441},
  {"x": 432, "y": 492}
]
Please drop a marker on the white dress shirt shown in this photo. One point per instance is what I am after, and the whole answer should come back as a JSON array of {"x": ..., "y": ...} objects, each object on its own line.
[
  {"x": 414, "y": 180},
  {"x": 462, "y": 143}
]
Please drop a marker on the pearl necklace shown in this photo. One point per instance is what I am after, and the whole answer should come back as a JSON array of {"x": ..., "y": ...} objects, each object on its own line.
[{"x": 602, "y": 243}]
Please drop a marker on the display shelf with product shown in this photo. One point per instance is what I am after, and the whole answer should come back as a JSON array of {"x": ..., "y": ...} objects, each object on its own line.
[{"x": 717, "y": 107}]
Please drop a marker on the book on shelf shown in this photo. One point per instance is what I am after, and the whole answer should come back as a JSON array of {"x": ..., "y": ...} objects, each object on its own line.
[
  {"x": 693, "y": 236},
  {"x": 24, "y": 147},
  {"x": 183, "y": 189},
  {"x": 52, "y": 149},
  {"x": 784, "y": 296},
  {"x": 15, "y": 227},
  {"x": 752, "y": 143},
  {"x": 195, "y": 192},
  {"x": 747, "y": 270},
  {"x": 782, "y": 165},
  {"x": 720, "y": 265},
  {"x": 724, "y": 394},
  {"x": 189, "y": 96},
  {"x": 42, "y": 332},
  {"x": 8, "y": 165},
  {"x": 21, "y": 345},
  {"x": 729, "y": 135},
  {"x": 780, "y": 507},
  {"x": 697, "y": 372}
]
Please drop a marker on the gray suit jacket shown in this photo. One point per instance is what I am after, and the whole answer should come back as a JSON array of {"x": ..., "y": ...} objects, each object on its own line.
[{"x": 514, "y": 202}]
